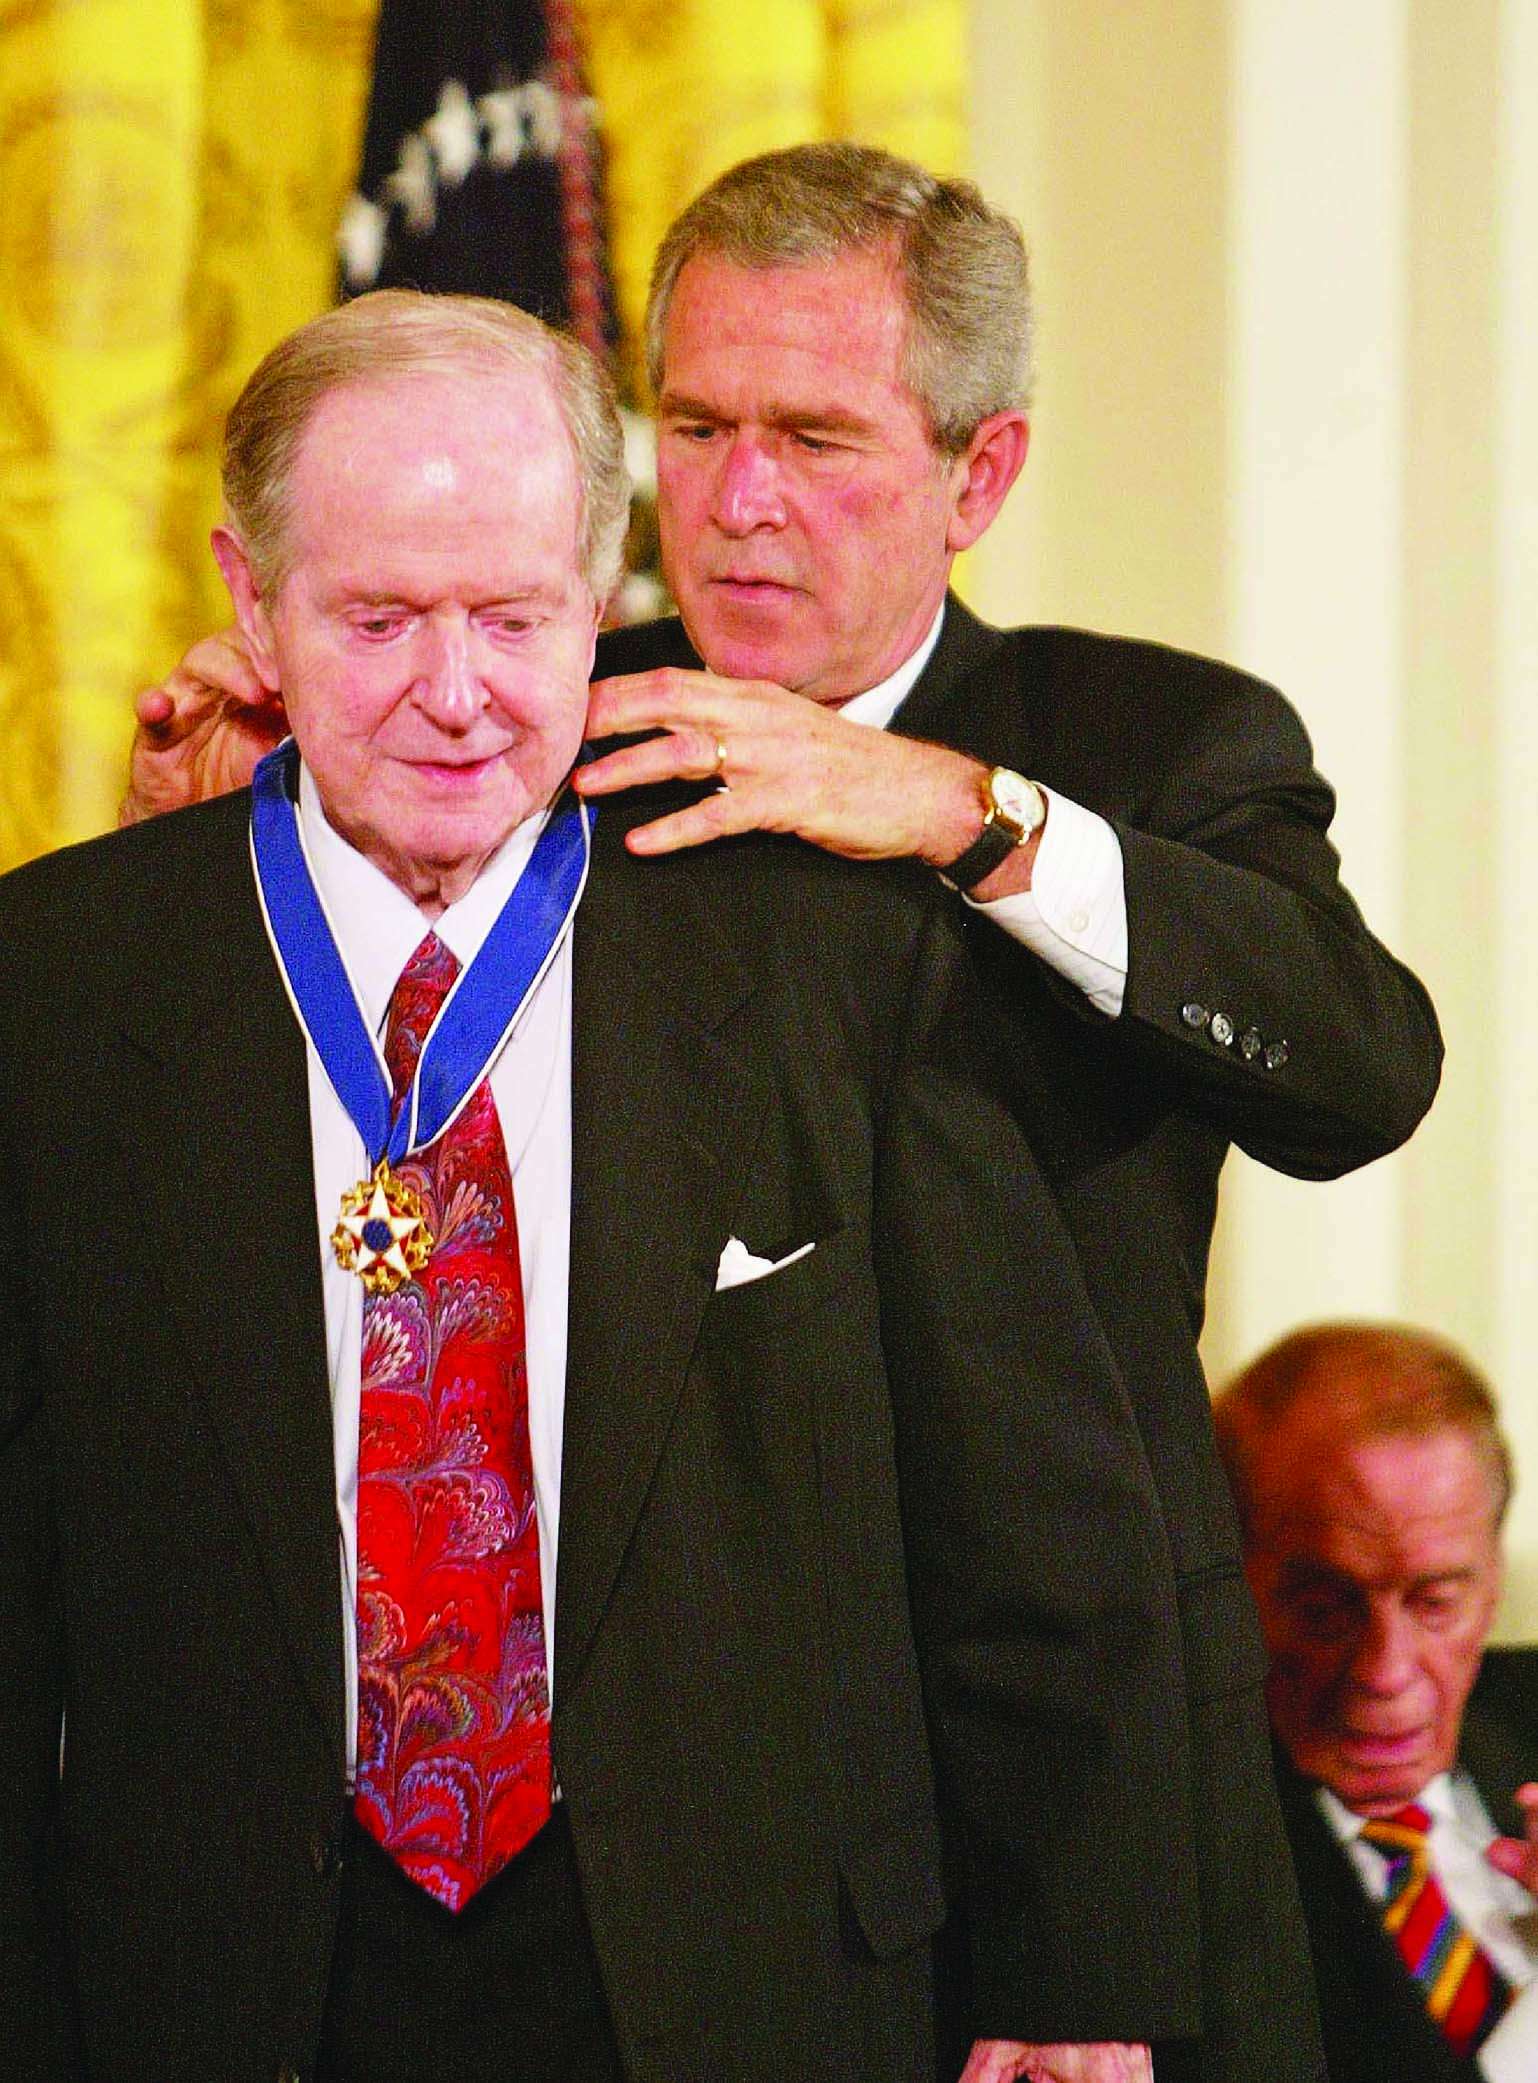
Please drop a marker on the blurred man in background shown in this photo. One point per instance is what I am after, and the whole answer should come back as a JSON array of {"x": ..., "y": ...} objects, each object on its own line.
[{"x": 1372, "y": 1479}]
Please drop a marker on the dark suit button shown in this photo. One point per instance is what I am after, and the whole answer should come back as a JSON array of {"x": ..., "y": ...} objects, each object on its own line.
[
  {"x": 288, "y": 2075},
  {"x": 1221, "y": 1028},
  {"x": 1276, "y": 1055},
  {"x": 1193, "y": 1014},
  {"x": 1250, "y": 1044},
  {"x": 325, "y": 1855}
]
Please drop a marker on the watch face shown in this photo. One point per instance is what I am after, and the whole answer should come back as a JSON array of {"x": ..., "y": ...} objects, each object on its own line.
[{"x": 1016, "y": 800}]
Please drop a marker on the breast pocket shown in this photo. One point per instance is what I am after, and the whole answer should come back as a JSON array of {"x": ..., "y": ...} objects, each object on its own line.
[{"x": 781, "y": 1298}]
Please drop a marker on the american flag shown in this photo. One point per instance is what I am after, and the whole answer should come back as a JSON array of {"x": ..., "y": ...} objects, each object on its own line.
[{"x": 482, "y": 167}]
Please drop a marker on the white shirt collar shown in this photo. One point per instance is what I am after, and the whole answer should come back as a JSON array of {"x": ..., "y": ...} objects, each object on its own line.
[
  {"x": 1436, "y": 1797},
  {"x": 376, "y": 926},
  {"x": 878, "y": 705}
]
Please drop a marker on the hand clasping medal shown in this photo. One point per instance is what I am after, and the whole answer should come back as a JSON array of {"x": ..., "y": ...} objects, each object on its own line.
[{"x": 383, "y": 1234}]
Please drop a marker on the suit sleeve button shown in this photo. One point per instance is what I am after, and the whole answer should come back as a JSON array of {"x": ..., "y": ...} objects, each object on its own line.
[
  {"x": 1221, "y": 1028},
  {"x": 1250, "y": 1044},
  {"x": 1276, "y": 1055},
  {"x": 1193, "y": 1014}
]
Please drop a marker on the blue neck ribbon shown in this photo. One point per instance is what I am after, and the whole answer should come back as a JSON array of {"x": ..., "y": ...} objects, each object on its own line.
[{"x": 478, "y": 1013}]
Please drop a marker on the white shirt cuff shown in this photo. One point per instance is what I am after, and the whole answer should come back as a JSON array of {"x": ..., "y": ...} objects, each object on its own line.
[
  {"x": 1510, "y": 2055},
  {"x": 1074, "y": 915}
]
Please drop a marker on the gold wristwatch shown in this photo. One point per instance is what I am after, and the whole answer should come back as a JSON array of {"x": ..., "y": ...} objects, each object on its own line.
[{"x": 1013, "y": 810}]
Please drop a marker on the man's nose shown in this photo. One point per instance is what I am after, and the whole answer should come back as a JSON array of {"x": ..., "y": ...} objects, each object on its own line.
[
  {"x": 748, "y": 494},
  {"x": 1384, "y": 1660},
  {"x": 449, "y": 689}
]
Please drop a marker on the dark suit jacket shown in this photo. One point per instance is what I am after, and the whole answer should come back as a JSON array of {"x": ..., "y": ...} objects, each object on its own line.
[
  {"x": 1376, "y": 2029},
  {"x": 1234, "y": 905},
  {"x": 771, "y": 1698}
]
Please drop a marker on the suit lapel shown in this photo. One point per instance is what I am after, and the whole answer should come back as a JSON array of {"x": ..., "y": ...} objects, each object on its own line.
[
  {"x": 1496, "y": 1747},
  {"x": 220, "y": 1148},
  {"x": 964, "y": 648},
  {"x": 663, "y": 1110}
]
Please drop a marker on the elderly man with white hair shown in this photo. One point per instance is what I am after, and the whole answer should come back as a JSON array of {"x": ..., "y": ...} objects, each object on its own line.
[{"x": 564, "y": 1493}]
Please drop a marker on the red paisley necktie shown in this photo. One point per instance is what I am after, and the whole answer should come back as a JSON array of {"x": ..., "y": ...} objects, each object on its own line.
[
  {"x": 1462, "y": 1988},
  {"x": 453, "y": 1772}
]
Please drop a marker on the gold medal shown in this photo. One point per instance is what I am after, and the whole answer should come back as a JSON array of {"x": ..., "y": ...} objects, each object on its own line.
[{"x": 383, "y": 1235}]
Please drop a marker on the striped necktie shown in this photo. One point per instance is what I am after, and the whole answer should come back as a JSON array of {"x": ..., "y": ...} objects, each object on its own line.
[{"x": 1463, "y": 1989}]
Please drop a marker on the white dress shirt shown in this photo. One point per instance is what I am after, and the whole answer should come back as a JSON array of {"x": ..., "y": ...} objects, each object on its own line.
[
  {"x": 1074, "y": 915},
  {"x": 377, "y": 930},
  {"x": 1497, "y": 1910}
]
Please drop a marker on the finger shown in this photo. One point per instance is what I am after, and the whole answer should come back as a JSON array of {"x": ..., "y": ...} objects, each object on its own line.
[
  {"x": 175, "y": 711},
  {"x": 997, "y": 2061},
  {"x": 1509, "y": 1855},
  {"x": 223, "y": 666},
  {"x": 153, "y": 708},
  {"x": 652, "y": 701},
  {"x": 203, "y": 687},
  {"x": 689, "y": 755},
  {"x": 192, "y": 713},
  {"x": 696, "y": 826}
]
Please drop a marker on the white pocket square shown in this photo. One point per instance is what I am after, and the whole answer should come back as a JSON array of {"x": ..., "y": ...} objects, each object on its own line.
[{"x": 739, "y": 1265}]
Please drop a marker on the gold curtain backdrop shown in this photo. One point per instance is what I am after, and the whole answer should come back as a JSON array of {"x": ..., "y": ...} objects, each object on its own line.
[{"x": 173, "y": 174}]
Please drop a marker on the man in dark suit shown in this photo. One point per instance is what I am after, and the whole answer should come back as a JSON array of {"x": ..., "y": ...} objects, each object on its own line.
[
  {"x": 1372, "y": 1479},
  {"x": 862, "y": 1596},
  {"x": 840, "y": 345}
]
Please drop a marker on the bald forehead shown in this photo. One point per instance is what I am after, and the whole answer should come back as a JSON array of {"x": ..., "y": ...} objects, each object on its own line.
[
  {"x": 1320, "y": 1467},
  {"x": 411, "y": 454},
  {"x": 399, "y": 411}
]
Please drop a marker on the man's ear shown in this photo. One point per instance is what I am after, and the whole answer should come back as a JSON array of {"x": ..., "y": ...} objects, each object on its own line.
[
  {"x": 600, "y": 609},
  {"x": 251, "y": 610},
  {"x": 984, "y": 472}
]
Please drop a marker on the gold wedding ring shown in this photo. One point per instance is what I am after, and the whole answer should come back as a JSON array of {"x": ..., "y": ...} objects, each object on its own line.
[{"x": 718, "y": 769}]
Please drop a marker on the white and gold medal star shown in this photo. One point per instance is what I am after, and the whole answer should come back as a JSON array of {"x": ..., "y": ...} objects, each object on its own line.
[{"x": 382, "y": 1234}]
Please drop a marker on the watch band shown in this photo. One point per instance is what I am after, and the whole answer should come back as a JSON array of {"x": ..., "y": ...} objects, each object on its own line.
[
  {"x": 993, "y": 844},
  {"x": 1002, "y": 830}
]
